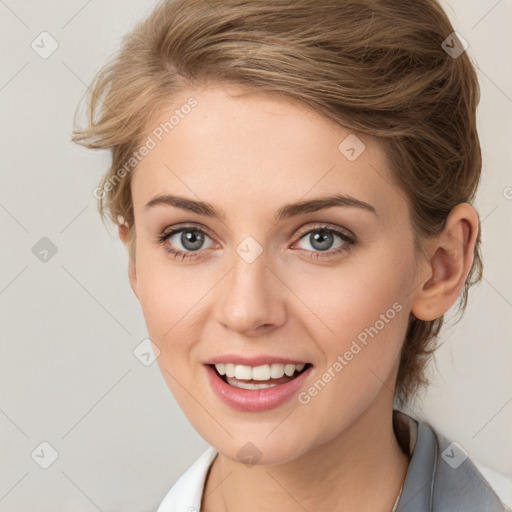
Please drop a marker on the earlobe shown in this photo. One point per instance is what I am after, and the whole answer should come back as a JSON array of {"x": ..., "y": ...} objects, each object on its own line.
[
  {"x": 453, "y": 254},
  {"x": 132, "y": 272},
  {"x": 132, "y": 276},
  {"x": 122, "y": 230}
]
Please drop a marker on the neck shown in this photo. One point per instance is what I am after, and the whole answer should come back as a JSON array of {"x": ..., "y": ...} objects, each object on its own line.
[{"x": 361, "y": 469}]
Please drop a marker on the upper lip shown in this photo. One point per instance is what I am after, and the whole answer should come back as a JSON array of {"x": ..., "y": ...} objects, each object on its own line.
[{"x": 253, "y": 361}]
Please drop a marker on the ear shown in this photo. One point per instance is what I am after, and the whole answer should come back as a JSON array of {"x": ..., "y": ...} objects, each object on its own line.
[
  {"x": 132, "y": 274},
  {"x": 452, "y": 256}
]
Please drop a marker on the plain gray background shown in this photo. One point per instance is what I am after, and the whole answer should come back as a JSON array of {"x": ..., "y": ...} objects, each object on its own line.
[{"x": 69, "y": 325}]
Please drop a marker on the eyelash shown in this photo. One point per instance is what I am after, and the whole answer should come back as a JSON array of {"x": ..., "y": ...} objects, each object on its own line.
[{"x": 347, "y": 246}]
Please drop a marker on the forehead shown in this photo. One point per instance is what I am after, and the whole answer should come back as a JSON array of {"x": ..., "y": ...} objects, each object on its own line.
[{"x": 239, "y": 146}]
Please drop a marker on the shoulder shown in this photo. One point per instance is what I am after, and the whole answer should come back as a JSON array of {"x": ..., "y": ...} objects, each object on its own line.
[
  {"x": 441, "y": 477},
  {"x": 185, "y": 495}
]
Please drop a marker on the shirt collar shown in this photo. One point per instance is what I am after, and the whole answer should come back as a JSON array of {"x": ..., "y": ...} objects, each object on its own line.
[{"x": 418, "y": 485}]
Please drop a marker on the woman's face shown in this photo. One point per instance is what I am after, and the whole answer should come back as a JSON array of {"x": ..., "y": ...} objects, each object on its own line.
[{"x": 258, "y": 278}]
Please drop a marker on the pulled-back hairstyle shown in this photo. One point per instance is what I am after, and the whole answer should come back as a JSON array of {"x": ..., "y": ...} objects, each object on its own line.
[{"x": 378, "y": 67}]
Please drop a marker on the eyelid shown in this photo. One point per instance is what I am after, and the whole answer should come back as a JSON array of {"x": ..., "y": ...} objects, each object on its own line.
[
  {"x": 346, "y": 235},
  {"x": 328, "y": 227},
  {"x": 170, "y": 230},
  {"x": 304, "y": 230}
]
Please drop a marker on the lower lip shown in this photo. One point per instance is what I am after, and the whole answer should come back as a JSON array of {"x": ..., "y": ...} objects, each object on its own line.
[{"x": 254, "y": 400}]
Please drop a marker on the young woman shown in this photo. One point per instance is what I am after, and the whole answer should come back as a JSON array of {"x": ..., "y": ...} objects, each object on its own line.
[{"x": 293, "y": 182}]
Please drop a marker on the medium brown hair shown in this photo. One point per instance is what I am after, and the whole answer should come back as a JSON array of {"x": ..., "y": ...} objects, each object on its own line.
[{"x": 377, "y": 67}]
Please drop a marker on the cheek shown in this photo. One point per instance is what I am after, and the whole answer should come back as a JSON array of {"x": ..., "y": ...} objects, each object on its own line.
[
  {"x": 173, "y": 302},
  {"x": 170, "y": 304},
  {"x": 363, "y": 324},
  {"x": 345, "y": 301},
  {"x": 360, "y": 309},
  {"x": 167, "y": 295}
]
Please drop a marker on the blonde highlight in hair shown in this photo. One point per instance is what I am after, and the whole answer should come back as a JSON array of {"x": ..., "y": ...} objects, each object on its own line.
[{"x": 374, "y": 66}]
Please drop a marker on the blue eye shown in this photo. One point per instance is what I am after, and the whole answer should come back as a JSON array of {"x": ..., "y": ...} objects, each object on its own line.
[
  {"x": 192, "y": 239},
  {"x": 321, "y": 239}
]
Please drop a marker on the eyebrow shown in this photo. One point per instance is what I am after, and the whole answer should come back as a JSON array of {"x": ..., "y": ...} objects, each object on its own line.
[{"x": 287, "y": 211}]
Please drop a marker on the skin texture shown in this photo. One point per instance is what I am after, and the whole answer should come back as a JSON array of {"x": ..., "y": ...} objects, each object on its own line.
[{"x": 248, "y": 156}]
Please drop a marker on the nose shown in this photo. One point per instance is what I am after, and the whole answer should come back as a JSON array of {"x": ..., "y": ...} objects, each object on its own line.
[{"x": 251, "y": 299}]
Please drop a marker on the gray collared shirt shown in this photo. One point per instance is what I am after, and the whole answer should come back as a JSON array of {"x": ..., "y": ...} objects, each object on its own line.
[{"x": 441, "y": 477}]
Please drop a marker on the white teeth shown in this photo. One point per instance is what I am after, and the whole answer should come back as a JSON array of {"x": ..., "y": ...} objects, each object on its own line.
[
  {"x": 263, "y": 372},
  {"x": 289, "y": 369},
  {"x": 221, "y": 368},
  {"x": 230, "y": 370},
  {"x": 250, "y": 385},
  {"x": 243, "y": 372}
]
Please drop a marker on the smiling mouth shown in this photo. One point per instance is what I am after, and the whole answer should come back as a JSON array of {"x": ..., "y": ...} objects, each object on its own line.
[{"x": 259, "y": 384}]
